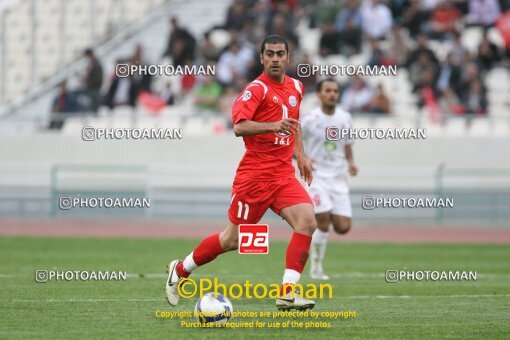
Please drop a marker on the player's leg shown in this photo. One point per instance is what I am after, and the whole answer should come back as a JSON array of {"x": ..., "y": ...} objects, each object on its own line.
[
  {"x": 205, "y": 252},
  {"x": 342, "y": 210},
  {"x": 341, "y": 224},
  {"x": 209, "y": 249},
  {"x": 302, "y": 219},
  {"x": 241, "y": 210},
  {"x": 318, "y": 246},
  {"x": 319, "y": 192},
  {"x": 293, "y": 203}
]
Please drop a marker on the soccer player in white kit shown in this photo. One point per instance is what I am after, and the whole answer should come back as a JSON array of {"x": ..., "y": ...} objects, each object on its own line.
[{"x": 331, "y": 159}]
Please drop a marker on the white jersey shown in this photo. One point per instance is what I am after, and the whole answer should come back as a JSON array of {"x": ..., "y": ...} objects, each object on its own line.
[{"x": 329, "y": 155}]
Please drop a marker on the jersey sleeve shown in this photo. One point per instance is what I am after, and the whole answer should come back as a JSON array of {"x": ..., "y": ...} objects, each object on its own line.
[
  {"x": 301, "y": 95},
  {"x": 349, "y": 141},
  {"x": 247, "y": 103},
  {"x": 305, "y": 125}
]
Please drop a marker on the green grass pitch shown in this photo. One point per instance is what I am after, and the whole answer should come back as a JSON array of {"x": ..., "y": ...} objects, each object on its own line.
[{"x": 126, "y": 309}]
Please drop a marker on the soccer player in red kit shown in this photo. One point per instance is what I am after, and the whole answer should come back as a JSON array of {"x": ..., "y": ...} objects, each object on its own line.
[{"x": 266, "y": 115}]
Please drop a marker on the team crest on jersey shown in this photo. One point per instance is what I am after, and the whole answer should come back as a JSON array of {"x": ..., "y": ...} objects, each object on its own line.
[
  {"x": 275, "y": 99},
  {"x": 246, "y": 95},
  {"x": 292, "y": 101}
]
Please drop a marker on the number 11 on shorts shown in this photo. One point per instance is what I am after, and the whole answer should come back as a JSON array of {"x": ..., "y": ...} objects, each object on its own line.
[{"x": 253, "y": 239}]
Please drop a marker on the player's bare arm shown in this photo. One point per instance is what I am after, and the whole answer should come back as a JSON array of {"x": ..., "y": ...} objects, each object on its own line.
[
  {"x": 251, "y": 128},
  {"x": 353, "y": 169}
]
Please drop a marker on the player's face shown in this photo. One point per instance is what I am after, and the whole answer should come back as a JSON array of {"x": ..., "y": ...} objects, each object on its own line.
[
  {"x": 329, "y": 94},
  {"x": 275, "y": 59}
]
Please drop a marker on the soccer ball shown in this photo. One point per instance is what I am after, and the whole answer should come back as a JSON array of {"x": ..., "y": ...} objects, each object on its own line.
[{"x": 213, "y": 308}]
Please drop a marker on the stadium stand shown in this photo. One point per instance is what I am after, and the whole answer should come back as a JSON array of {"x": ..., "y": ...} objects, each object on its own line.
[{"x": 41, "y": 47}]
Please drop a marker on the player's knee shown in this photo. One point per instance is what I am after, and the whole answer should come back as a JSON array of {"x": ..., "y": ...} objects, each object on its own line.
[
  {"x": 230, "y": 244},
  {"x": 342, "y": 227},
  {"x": 306, "y": 225},
  {"x": 323, "y": 226},
  {"x": 228, "y": 240}
]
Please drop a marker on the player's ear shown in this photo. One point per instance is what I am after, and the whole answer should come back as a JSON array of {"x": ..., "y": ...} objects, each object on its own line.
[{"x": 261, "y": 58}]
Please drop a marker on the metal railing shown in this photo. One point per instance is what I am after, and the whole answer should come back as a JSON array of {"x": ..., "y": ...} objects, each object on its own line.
[
  {"x": 65, "y": 64},
  {"x": 479, "y": 195}
]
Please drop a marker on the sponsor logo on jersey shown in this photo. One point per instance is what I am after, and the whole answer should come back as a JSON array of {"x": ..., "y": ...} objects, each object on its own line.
[{"x": 275, "y": 99}]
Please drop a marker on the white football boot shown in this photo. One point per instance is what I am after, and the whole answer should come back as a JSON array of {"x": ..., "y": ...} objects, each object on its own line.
[
  {"x": 319, "y": 275},
  {"x": 294, "y": 301},
  {"x": 172, "y": 282}
]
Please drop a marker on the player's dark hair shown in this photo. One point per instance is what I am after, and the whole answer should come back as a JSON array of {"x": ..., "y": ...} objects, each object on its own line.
[
  {"x": 274, "y": 39},
  {"x": 318, "y": 88}
]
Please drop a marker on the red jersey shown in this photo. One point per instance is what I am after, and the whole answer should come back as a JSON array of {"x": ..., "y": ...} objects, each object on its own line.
[{"x": 268, "y": 156}]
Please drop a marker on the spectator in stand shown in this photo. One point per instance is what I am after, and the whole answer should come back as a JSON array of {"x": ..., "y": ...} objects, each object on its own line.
[
  {"x": 421, "y": 48},
  {"x": 445, "y": 20},
  {"x": 426, "y": 89},
  {"x": 207, "y": 51},
  {"x": 328, "y": 43},
  {"x": 357, "y": 96},
  {"x": 449, "y": 82},
  {"x": 260, "y": 12},
  {"x": 322, "y": 11},
  {"x": 233, "y": 63},
  {"x": 379, "y": 57},
  {"x": 309, "y": 82},
  {"x": 469, "y": 74},
  {"x": 399, "y": 47},
  {"x": 93, "y": 80},
  {"x": 348, "y": 27},
  {"x": 236, "y": 15},
  {"x": 64, "y": 102},
  {"x": 423, "y": 72},
  {"x": 168, "y": 94},
  {"x": 122, "y": 90},
  {"x": 251, "y": 34},
  {"x": 483, "y": 12},
  {"x": 285, "y": 9},
  {"x": 376, "y": 19},
  {"x": 449, "y": 102},
  {"x": 188, "y": 81},
  {"x": 207, "y": 94},
  {"x": 475, "y": 98},
  {"x": 141, "y": 82},
  {"x": 279, "y": 27},
  {"x": 457, "y": 50},
  {"x": 380, "y": 102},
  {"x": 488, "y": 54},
  {"x": 228, "y": 98},
  {"x": 413, "y": 18},
  {"x": 181, "y": 44}
]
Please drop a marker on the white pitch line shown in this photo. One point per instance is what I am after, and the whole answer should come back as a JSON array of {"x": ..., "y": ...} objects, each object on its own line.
[
  {"x": 339, "y": 298},
  {"x": 333, "y": 275}
]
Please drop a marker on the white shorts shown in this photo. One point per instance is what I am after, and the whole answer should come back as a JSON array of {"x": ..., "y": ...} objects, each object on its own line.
[{"x": 331, "y": 195}]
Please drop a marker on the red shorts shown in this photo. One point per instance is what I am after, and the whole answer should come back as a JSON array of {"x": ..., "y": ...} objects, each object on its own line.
[{"x": 251, "y": 199}]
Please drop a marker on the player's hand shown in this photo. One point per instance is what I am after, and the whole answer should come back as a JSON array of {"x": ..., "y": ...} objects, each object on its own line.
[
  {"x": 288, "y": 126},
  {"x": 305, "y": 169},
  {"x": 353, "y": 169}
]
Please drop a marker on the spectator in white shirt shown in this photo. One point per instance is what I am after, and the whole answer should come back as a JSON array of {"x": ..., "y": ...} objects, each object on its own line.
[
  {"x": 234, "y": 63},
  {"x": 357, "y": 96},
  {"x": 376, "y": 19},
  {"x": 483, "y": 12}
]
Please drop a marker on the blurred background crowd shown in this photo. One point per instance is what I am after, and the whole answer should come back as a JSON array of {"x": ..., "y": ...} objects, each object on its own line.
[{"x": 450, "y": 80}]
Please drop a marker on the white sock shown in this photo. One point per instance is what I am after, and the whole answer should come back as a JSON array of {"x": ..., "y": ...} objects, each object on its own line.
[
  {"x": 319, "y": 239},
  {"x": 189, "y": 264},
  {"x": 291, "y": 276},
  {"x": 314, "y": 257}
]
